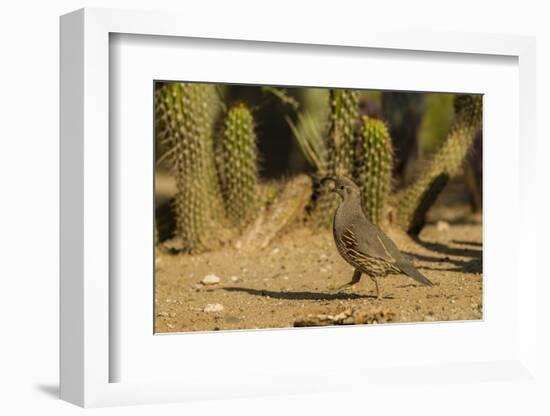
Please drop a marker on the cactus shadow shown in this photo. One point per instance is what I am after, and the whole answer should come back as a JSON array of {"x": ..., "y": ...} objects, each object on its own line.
[
  {"x": 470, "y": 266},
  {"x": 432, "y": 259},
  {"x": 474, "y": 265},
  {"x": 465, "y": 220},
  {"x": 301, "y": 295},
  {"x": 445, "y": 249},
  {"x": 467, "y": 243}
]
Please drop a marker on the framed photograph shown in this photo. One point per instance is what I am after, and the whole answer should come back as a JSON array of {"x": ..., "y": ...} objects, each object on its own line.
[{"x": 280, "y": 213}]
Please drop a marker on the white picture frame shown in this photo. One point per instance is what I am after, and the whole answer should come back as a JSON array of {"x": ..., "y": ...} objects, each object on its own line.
[{"x": 87, "y": 302}]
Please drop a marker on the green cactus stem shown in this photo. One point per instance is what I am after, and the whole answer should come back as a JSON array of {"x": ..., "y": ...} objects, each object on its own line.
[
  {"x": 373, "y": 167},
  {"x": 445, "y": 163},
  {"x": 238, "y": 165},
  {"x": 184, "y": 124}
]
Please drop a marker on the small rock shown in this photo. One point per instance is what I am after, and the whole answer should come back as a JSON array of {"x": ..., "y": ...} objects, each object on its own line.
[
  {"x": 235, "y": 279},
  {"x": 340, "y": 317},
  {"x": 275, "y": 251},
  {"x": 213, "y": 307},
  {"x": 442, "y": 226},
  {"x": 210, "y": 279},
  {"x": 232, "y": 320}
]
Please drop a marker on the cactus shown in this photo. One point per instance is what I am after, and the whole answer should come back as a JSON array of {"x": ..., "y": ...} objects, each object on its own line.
[
  {"x": 238, "y": 170},
  {"x": 373, "y": 167},
  {"x": 184, "y": 124},
  {"x": 436, "y": 122},
  {"x": 444, "y": 164},
  {"x": 344, "y": 110}
]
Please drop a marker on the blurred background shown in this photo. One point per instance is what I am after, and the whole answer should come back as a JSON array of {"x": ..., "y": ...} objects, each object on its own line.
[{"x": 418, "y": 123}]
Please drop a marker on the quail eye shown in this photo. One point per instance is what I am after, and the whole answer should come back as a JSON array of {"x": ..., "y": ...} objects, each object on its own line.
[{"x": 342, "y": 187}]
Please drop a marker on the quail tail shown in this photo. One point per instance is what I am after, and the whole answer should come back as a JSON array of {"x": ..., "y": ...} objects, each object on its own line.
[{"x": 410, "y": 271}]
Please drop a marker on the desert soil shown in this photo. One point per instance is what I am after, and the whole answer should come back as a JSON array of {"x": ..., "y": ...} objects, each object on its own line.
[{"x": 294, "y": 281}]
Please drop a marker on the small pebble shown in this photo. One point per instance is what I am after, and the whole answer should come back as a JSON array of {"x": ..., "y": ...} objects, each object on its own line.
[
  {"x": 232, "y": 320},
  {"x": 235, "y": 279},
  {"x": 210, "y": 279},
  {"x": 213, "y": 307},
  {"x": 340, "y": 317},
  {"x": 442, "y": 226}
]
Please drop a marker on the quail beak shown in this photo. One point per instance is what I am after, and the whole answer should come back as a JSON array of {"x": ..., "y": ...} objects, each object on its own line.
[{"x": 327, "y": 180}]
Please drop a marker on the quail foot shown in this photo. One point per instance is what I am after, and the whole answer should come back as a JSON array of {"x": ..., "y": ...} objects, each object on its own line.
[{"x": 361, "y": 243}]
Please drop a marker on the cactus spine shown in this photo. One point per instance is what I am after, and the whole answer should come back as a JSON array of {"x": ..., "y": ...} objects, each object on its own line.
[
  {"x": 373, "y": 167},
  {"x": 446, "y": 163},
  {"x": 344, "y": 110},
  {"x": 184, "y": 123},
  {"x": 238, "y": 167}
]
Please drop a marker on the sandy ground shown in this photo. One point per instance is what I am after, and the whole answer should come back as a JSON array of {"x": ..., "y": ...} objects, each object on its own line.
[{"x": 293, "y": 282}]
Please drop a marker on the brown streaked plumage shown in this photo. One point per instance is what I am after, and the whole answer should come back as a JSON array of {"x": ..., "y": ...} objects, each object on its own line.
[{"x": 362, "y": 244}]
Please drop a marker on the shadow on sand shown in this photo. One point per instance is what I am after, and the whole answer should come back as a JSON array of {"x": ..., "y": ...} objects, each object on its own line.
[
  {"x": 473, "y": 263},
  {"x": 445, "y": 249},
  {"x": 299, "y": 295}
]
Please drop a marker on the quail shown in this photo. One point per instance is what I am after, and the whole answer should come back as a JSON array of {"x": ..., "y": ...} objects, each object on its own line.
[{"x": 361, "y": 243}]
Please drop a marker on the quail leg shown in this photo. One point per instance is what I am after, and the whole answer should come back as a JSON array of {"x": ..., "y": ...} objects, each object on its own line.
[
  {"x": 375, "y": 280},
  {"x": 355, "y": 278}
]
